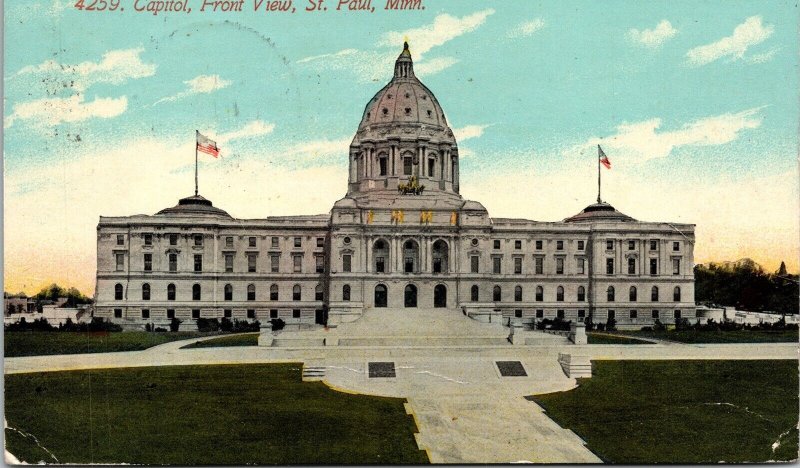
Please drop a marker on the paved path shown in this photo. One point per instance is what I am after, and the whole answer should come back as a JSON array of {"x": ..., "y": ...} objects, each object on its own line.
[{"x": 466, "y": 412}]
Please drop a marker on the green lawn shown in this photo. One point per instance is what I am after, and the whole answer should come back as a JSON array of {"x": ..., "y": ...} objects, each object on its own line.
[
  {"x": 217, "y": 415},
  {"x": 602, "y": 338},
  {"x": 683, "y": 411},
  {"x": 735, "y": 336},
  {"x": 36, "y": 343},
  {"x": 241, "y": 339}
]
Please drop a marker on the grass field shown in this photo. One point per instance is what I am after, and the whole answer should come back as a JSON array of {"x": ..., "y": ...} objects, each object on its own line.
[
  {"x": 241, "y": 339},
  {"x": 602, "y": 338},
  {"x": 683, "y": 411},
  {"x": 218, "y": 415},
  {"x": 37, "y": 343},
  {"x": 734, "y": 336}
]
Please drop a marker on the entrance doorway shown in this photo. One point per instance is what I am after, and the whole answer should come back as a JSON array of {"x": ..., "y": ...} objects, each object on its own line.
[
  {"x": 411, "y": 296},
  {"x": 320, "y": 316},
  {"x": 380, "y": 296},
  {"x": 440, "y": 296}
]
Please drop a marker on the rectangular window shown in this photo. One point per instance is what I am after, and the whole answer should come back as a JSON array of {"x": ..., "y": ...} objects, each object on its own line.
[
  {"x": 148, "y": 239},
  {"x": 319, "y": 294},
  {"x": 634, "y": 314},
  {"x": 382, "y": 166},
  {"x": 437, "y": 265},
  {"x": 612, "y": 315},
  {"x": 251, "y": 313},
  {"x": 676, "y": 266},
  {"x": 518, "y": 313},
  {"x": 496, "y": 244},
  {"x": 319, "y": 264},
  {"x": 474, "y": 264},
  {"x": 297, "y": 263},
  {"x": 676, "y": 246},
  {"x": 609, "y": 245},
  {"x": 409, "y": 265},
  {"x": 198, "y": 239},
  {"x": 251, "y": 241},
  {"x": 581, "y": 314},
  {"x": 117, "y": 313},
  {"x": 273, "y": 313},
  {"x": 581, "y": 245},
  {"x": 653, "y": 266},
  {"x": 609, "y": 266},
  {"x": 631, "y": 266},
  {"x": 173, "y": 239},
  {"x": 145, "y": 313},
  {"x": 560, "y": 313},
  {"x": 170, "y": 313},
  {"x": 539, "y": 313},
  {"x": 296, "y": 313},
  {"x": 581, "y": 266},
  {"x": 229, "y": 242},
  {"x": 173, "y": 262},
  {"x": 655, "y": 314},
  {"x": 320, "y": 242},
  {"x": 539, "y": 265},
  {"x": 198, "y": 262},
  {"x": 298, "y": 241},
  {"x": 559, "y": 245},
  {"x": 560, "y": 266},
  {"x": 677, "y": 314},
  {"x": 517, "y": 244},
  {"x": 496, "y": 265},
  {"x": 195, "y": 313},
  {"x": 653, "y": 245},
  {"x": 517, "y": 265},
  {"x": 431, "y": 168},
  {"x": 227, "y": 313},
  {"x": 228, "y": 263},
  {"x": 380, "y": 265},
  {"x": 538, "y": 245},
  {"x": 274, "y": 242},
  {"x": 120, "y": 239},
  {"x": 407, "y": 166},
  {"x": 346, "y": 263},
  {"x": 120, "y": 260},
  {"x": 251, "y": 262},
  {"x": 274, "y": 263},
  {"x": 148, "y": 262},
  {"x": 631, "y": 245}
]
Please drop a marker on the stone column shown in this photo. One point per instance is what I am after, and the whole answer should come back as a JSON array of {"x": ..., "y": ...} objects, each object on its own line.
[{"x": 368, "y": 253}]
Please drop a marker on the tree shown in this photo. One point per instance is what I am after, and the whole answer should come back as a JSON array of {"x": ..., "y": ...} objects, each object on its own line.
[{"x": 54, "y": 291}]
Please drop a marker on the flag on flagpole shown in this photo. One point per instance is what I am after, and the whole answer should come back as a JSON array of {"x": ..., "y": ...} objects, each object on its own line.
[
  {"x": 603, "y": 158},
  {"x": 207, "y": 145}
]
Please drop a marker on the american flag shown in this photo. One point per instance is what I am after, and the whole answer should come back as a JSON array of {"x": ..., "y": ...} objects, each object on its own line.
[
  {"x": 603, "y": 158},
  {"x": 207, "y": 145}
]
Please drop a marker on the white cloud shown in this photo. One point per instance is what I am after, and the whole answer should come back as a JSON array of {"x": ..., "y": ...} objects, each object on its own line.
[
  {"x": 655, "y": 37},
  {"x": 434, "y": 66},
  {"x": 341, "y": 53},
  {"x": 53, "y": 111},
  {"x": 528, "y": 28},
  {"x": 443, "y": 29},
  {"x": 762, "y": 57},
  {"x": 202, "y": 84},
  {"x": 747, "y": 34},
  {"x": 469, "y": 131},
  {"x": 320, "y": 148},
  {"x": 640, "y": 141},
  {"x": 115, "y": 67},
  {"x": 255, "y": 128}
]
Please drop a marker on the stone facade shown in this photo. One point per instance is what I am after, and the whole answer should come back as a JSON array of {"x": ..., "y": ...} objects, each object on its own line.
[{"x": 401, "y": 237}]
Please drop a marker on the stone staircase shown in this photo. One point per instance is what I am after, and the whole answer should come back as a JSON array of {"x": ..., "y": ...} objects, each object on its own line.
[
  {"x": 312, "y": 373},
  {"x": 575, "y": 366}
]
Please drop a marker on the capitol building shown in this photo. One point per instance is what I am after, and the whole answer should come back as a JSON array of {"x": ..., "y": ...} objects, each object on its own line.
[{"x": 402, "y": 237}]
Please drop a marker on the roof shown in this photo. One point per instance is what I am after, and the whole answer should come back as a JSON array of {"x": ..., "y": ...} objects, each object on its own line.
[
  {"x": 194, "y": 206},
  {"x": 599, "y": 212}
]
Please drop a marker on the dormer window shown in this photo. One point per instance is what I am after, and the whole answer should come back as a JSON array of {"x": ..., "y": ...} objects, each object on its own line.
[
  {"x": 368, "y": 114},
  {"x": 430, "y": 113},
  {"x": 408, "y": 95},
  {"x": 385, "y": 111},
  {"x": 424, "y": 97},
  {"x": 408, "y": 111},
  {"x": 388, "y": 96}
]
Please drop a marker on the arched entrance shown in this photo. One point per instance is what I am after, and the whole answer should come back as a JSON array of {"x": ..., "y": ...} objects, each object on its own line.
[
  {"x": 380, "y": 296},
  {"x": 440, "y": 296},
  {"x": 410, "y": 296}
]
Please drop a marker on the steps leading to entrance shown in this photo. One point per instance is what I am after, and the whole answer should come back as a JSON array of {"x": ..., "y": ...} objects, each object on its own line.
[
  {"x": 397, "y": 341},
  {"x": 313, "y": 373}
]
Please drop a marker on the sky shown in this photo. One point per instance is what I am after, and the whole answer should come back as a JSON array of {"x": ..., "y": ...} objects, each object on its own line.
[{"x": 695, "y": 104}]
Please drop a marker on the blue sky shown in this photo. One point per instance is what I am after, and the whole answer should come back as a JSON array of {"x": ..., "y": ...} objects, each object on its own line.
[{"x": 695, "y": 104}]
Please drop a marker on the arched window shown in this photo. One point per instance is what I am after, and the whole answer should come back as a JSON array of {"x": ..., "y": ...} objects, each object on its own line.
[
  {"x": 581, "y": 294},
  {"x": 118, "y": 292},
  {"x": 474, "y": 293},
  {"x": 251, "y": 292},
  {"x": 440, "y": 255},
  {"x": 496, "y": 294},
  {"x": 273, "y": 292},
  {"x": 632, "y": 294},
  {"x": 676, "y": 294},
  {"x": 560, "y": 294},
  {"x": 654, "y": 294},
  {"x": 146, "y": 292},
  {"x": 539, "y": 294},
  {"x": 410, "y": 256},
  {"x": 228, "y": 292},
  {"x": 518, "y": 293},
  {"x": 319, "y": 295},
  {"x": 296, "y": 292},
  {"x": 170, "y": 292},
  {"x": 381, "y": 256},
  {"x": 196, "y": 292},
  {"x": 610, "y": 294},
  {"x": 346, "y": 292}
]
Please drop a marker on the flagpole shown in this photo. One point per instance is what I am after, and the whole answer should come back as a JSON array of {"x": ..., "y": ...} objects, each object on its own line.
[
  {"x": 598, "y": 174},
  {"x": 195, "y": 162}
]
